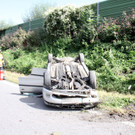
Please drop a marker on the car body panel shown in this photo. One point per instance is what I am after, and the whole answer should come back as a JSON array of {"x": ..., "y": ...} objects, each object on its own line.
[
  {"x": 32, "y": 83},
  {"x": 49, "y": 97},
  {"x": 65, "y": 82}
]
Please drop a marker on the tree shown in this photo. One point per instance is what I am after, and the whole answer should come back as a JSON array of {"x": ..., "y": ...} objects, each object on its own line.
[
  {"x": 36, "y": 12},
  {"x": 4, "y": 25}
]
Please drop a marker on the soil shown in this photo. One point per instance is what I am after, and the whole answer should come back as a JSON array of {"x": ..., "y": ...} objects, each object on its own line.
[{"x": 99, "y": 115}]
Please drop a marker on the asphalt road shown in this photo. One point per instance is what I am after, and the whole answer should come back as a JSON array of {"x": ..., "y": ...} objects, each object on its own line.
[{"x": 28, "y": 115}]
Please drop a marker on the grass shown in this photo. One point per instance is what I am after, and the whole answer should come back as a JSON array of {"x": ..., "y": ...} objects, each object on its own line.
[
  {"x": 111, "y": 101},
  {"x": 117, "y": 103},
  {"x": 12, "y": 76},
  {"x": 114, "y": 68}
]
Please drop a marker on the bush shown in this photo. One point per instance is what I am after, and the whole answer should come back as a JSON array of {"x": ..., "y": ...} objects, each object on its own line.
[
  {"x": 117, "y": 29},
  {"x": 34, "y": 39},
  {"x": 109, "y": 30},
  {"x": 23, "y": 61},
  {"x": 128, "y": 26},
  {"x": 74, "y": 23},
  {"x": 22, "y": 39},
  {"x": 14, "y": 40}
]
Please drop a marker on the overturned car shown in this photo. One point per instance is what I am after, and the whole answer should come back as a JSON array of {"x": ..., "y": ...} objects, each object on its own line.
[{"x": 66, "y": 82}]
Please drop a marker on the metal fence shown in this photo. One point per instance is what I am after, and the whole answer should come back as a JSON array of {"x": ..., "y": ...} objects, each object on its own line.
[
  {"x": 108, "y": 8},
  {"x": 115, "y": 8},
  {"x": 32, "y": 25}
]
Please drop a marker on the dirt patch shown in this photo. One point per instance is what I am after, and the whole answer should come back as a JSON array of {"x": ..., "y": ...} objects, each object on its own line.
[
  {"x": 130, "y": 112},
  {"x": 98, "y": 115}
]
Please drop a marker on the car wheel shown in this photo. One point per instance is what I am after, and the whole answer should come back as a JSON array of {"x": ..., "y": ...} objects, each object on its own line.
[
  {"x": 21, "y": 93},
  {"x": 47, "y": 79},
  {"x": 81, "y": 57},
  {"x": 50, "y": 58},
  {"x": 92, "y": 77}
]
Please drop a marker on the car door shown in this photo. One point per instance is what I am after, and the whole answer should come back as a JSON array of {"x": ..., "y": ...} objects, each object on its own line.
[{"x": 33, "y": 83}]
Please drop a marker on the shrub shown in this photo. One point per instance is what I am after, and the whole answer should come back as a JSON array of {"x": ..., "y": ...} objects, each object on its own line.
[
  {"x": 117, "y": 29},
  {"x": 34, "y": 39},
  {"x": 26, "y": 60},
  {"x": 128, "y": 26},
  {"x": 22, "y": 39},
  {"x": 14, "y": 40},
  {"x": 109, "y": 30},
  {"x": 74, "y": 23}
]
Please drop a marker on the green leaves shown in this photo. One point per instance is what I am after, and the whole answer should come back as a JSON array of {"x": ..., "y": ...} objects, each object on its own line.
[{"x": 75, "y": 23}]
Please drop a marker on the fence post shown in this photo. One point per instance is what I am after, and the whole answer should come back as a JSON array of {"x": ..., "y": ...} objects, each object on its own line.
[
  {"x": 30, "y": 25},
  {"x": 97, "y": 12}
]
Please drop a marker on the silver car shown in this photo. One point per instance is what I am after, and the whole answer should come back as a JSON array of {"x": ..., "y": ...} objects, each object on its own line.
[{"x": 66, "y": 82}]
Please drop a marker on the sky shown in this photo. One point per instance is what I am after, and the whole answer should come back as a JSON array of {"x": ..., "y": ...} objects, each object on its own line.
[{"x": 12, "y": 11}]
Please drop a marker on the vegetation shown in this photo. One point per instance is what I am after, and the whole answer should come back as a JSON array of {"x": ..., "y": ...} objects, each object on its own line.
[
  {"x": 12, "y": 76},
  {"x": 109, "y": 48},
  {"x": 22, "y": 40},
  {"x": 118, "y": 103},
  {"x": 77, "y": 24},
  {"x": 4, "y": 25},
  {"x": 36, "y": 12}
]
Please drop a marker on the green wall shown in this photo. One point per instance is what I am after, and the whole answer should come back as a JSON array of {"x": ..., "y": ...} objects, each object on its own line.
[
  {"x": 115, "y": 8},
  {"x": 32, "y": 25},
  {"x": 108, "y": 8}
]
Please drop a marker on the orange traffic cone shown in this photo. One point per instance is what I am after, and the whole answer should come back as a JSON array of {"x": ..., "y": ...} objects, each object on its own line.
[{"x": 2, "y": 77}]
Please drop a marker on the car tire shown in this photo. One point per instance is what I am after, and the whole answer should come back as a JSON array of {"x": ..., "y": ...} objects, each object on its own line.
[
  {"x": 47, "y": 79},
  {"x": 81, "y": 57},
  {"x": 21, "y": 93},
  {"x": 92, "y": 77},
  {"x": 50, "y": 57}
]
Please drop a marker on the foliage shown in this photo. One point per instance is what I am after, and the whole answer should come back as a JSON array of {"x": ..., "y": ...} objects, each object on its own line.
[
  {"x": 74, "y": 23},
  {"x": 5, "y": 25},
  {"x": 128, "y": 26},
  {"x": 117, "y": 29},
  {"x": 118, "y": 103},
  {"x": 109, "y": 30},
  {"x": 13, "y": 40},
  {"x": 22, "y": 61},
  {"x": 115, "y": 69},
  {"x": 36, "y": 12},
  {"x": 22, "y": 39},
  {"x": 110, "y": 50}
]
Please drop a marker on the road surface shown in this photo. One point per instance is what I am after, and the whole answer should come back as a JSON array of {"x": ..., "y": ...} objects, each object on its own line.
[{"x": 28, "y": 115}]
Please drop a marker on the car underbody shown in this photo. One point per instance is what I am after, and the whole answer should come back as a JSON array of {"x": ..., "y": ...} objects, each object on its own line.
[{"x": 66, "y": 82}]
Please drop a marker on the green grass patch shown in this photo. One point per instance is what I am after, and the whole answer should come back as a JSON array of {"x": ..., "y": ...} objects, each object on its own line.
[
  {"x": 116, "y": 102},
  {"x": 115, "y": 69}
]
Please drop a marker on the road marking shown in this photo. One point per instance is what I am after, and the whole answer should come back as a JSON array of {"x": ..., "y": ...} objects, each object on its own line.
[{"x": 129, "y": 123}]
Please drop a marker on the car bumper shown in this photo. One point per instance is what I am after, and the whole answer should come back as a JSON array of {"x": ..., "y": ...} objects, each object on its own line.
[{"x": 51, "y": 98}]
